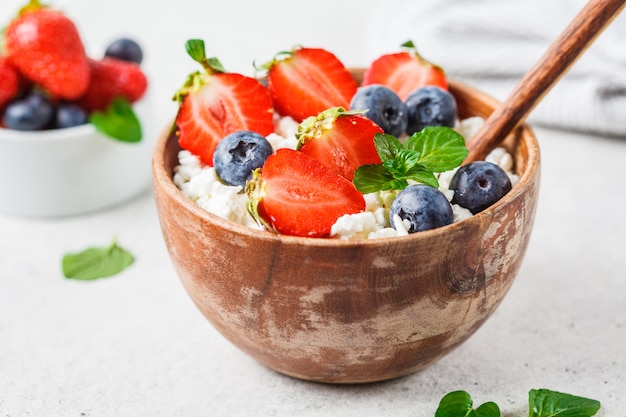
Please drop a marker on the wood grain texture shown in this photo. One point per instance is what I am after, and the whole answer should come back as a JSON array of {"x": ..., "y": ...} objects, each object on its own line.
[
  {"x": 350, "y": 312},
  {"x": 562, "y": 53}
]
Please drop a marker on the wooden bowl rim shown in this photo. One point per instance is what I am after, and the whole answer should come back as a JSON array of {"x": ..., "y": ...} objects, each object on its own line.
[{"x": 173, "y": 193}]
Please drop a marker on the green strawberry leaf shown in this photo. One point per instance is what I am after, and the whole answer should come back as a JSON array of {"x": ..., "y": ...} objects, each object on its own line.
[
  {"x": 31, "y": 6},
  {"x": 547, "y": 403},
  {"x": 434, "y": 149},
  {"x": 313, "y": 126},
  {"x": 460, "y": 403},
  {"x": 196, "y": 50},
  {"x": 119, "y": 121},
  {"x": 96, "y": 262},
  {"x": 408, "y": 44}
]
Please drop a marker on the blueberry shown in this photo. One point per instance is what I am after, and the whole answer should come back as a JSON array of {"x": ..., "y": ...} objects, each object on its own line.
[
  {"x": 33, "y": 112},
  {"x": 430, "y": 106},
  {"x": 125, "y": 49},
  {"x": 383, "y": 106},
  {"x": 239, "y": 154},
  {"x": 425, "y": 207},
  {"x": 478, "y": 185},
  {"x": 69, "y": 115}
]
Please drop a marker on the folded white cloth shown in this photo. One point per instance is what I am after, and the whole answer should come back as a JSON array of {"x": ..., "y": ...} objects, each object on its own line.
[{"x": 491, "y": 44}]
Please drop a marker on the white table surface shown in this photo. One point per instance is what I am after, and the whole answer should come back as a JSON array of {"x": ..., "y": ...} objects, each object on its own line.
[{"x": 134, "y": 344}]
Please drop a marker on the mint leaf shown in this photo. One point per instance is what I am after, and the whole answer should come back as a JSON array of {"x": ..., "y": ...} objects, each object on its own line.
[
  {"x": 118, "y": 122},
  {"x": 440, "y": 149},
  {"x": 546, "y": 403},
  {"x": 373, "y": 178},
  {"x": 420, "y": 174},
  {"x": 403, "y": 164},
  {"x": 434, "y": 149},
  {"x": 542, "y": 403},
  {"x": 456, "y": 403},
  {"x": 387, "y": 146},
  {"x": 460, "y": 403},
  {"x": 488, "y": 409},
  {"x": 96, "y": 262}
]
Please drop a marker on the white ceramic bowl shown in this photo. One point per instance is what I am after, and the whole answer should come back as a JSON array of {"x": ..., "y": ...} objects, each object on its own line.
[{"x": 72, "y": 171}]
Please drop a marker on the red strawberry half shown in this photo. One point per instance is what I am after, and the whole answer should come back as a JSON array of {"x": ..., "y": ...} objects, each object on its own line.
[
  {"x": 44, "y": 45},
  {"x": 296, "y": 195},
  {"x": 404, "y": 72},
  {"x": 307, "y": 81},
  {"x": 339, "y": 139},
  {"x": 216, "y": 103},
  {"x": 111, "y": 78}
]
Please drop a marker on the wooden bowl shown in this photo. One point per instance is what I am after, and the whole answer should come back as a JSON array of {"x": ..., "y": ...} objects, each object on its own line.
[{"x": 341, "y": 311}]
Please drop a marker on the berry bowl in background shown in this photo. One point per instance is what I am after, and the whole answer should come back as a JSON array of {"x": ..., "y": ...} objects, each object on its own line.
[
  {"x": 61, "y": 172},
  {"x": 340, "y": 311}
]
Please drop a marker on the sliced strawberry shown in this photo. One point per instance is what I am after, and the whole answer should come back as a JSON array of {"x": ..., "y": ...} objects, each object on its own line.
[
  {"x": 296, "y": 195},
  {"x": 44, "y": 45},
  {"x": 9, "y": 82},
  {"x": 111, "y": 78},
  {"x": 404, "y": 72},
  {"x": 215, "y": 103},
  {"x": 307, "y": 81},
  {"x": 339, "y": 139}
]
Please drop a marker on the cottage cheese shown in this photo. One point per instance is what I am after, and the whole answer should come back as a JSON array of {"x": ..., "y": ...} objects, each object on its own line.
[{"x": 202, "y": 185}]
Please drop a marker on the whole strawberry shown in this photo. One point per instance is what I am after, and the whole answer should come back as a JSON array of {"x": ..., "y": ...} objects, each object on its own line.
[
  {"x": 111, "y": 78},
  {"x": 44, "y": 45},
  {"x": 9, "y": 82}
]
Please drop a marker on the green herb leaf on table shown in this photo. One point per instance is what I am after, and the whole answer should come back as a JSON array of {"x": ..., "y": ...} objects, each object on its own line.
[
  {"x": 96, "y": 262},
  {"x": 119, "y": 121},
  {"x": 547, "y": 403},
  {"x": 460, "y": 403},
  {"x": 541, "y": 403},
  {"x": 432, "y": 150}
]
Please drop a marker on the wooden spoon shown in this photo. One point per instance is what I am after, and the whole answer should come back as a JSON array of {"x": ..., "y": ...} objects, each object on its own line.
[{"x": 573, "y": 41}]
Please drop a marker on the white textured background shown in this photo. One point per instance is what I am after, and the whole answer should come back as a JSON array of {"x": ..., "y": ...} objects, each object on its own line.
[{"x": 134, "y": 345}]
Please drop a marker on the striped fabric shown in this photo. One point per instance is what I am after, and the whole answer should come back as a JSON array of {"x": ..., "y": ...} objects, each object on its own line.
[{"x": 492, "y": 43}]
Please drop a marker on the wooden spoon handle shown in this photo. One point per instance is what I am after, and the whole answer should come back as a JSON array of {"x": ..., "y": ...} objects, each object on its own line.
[{"x": 555, "y": 62}]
